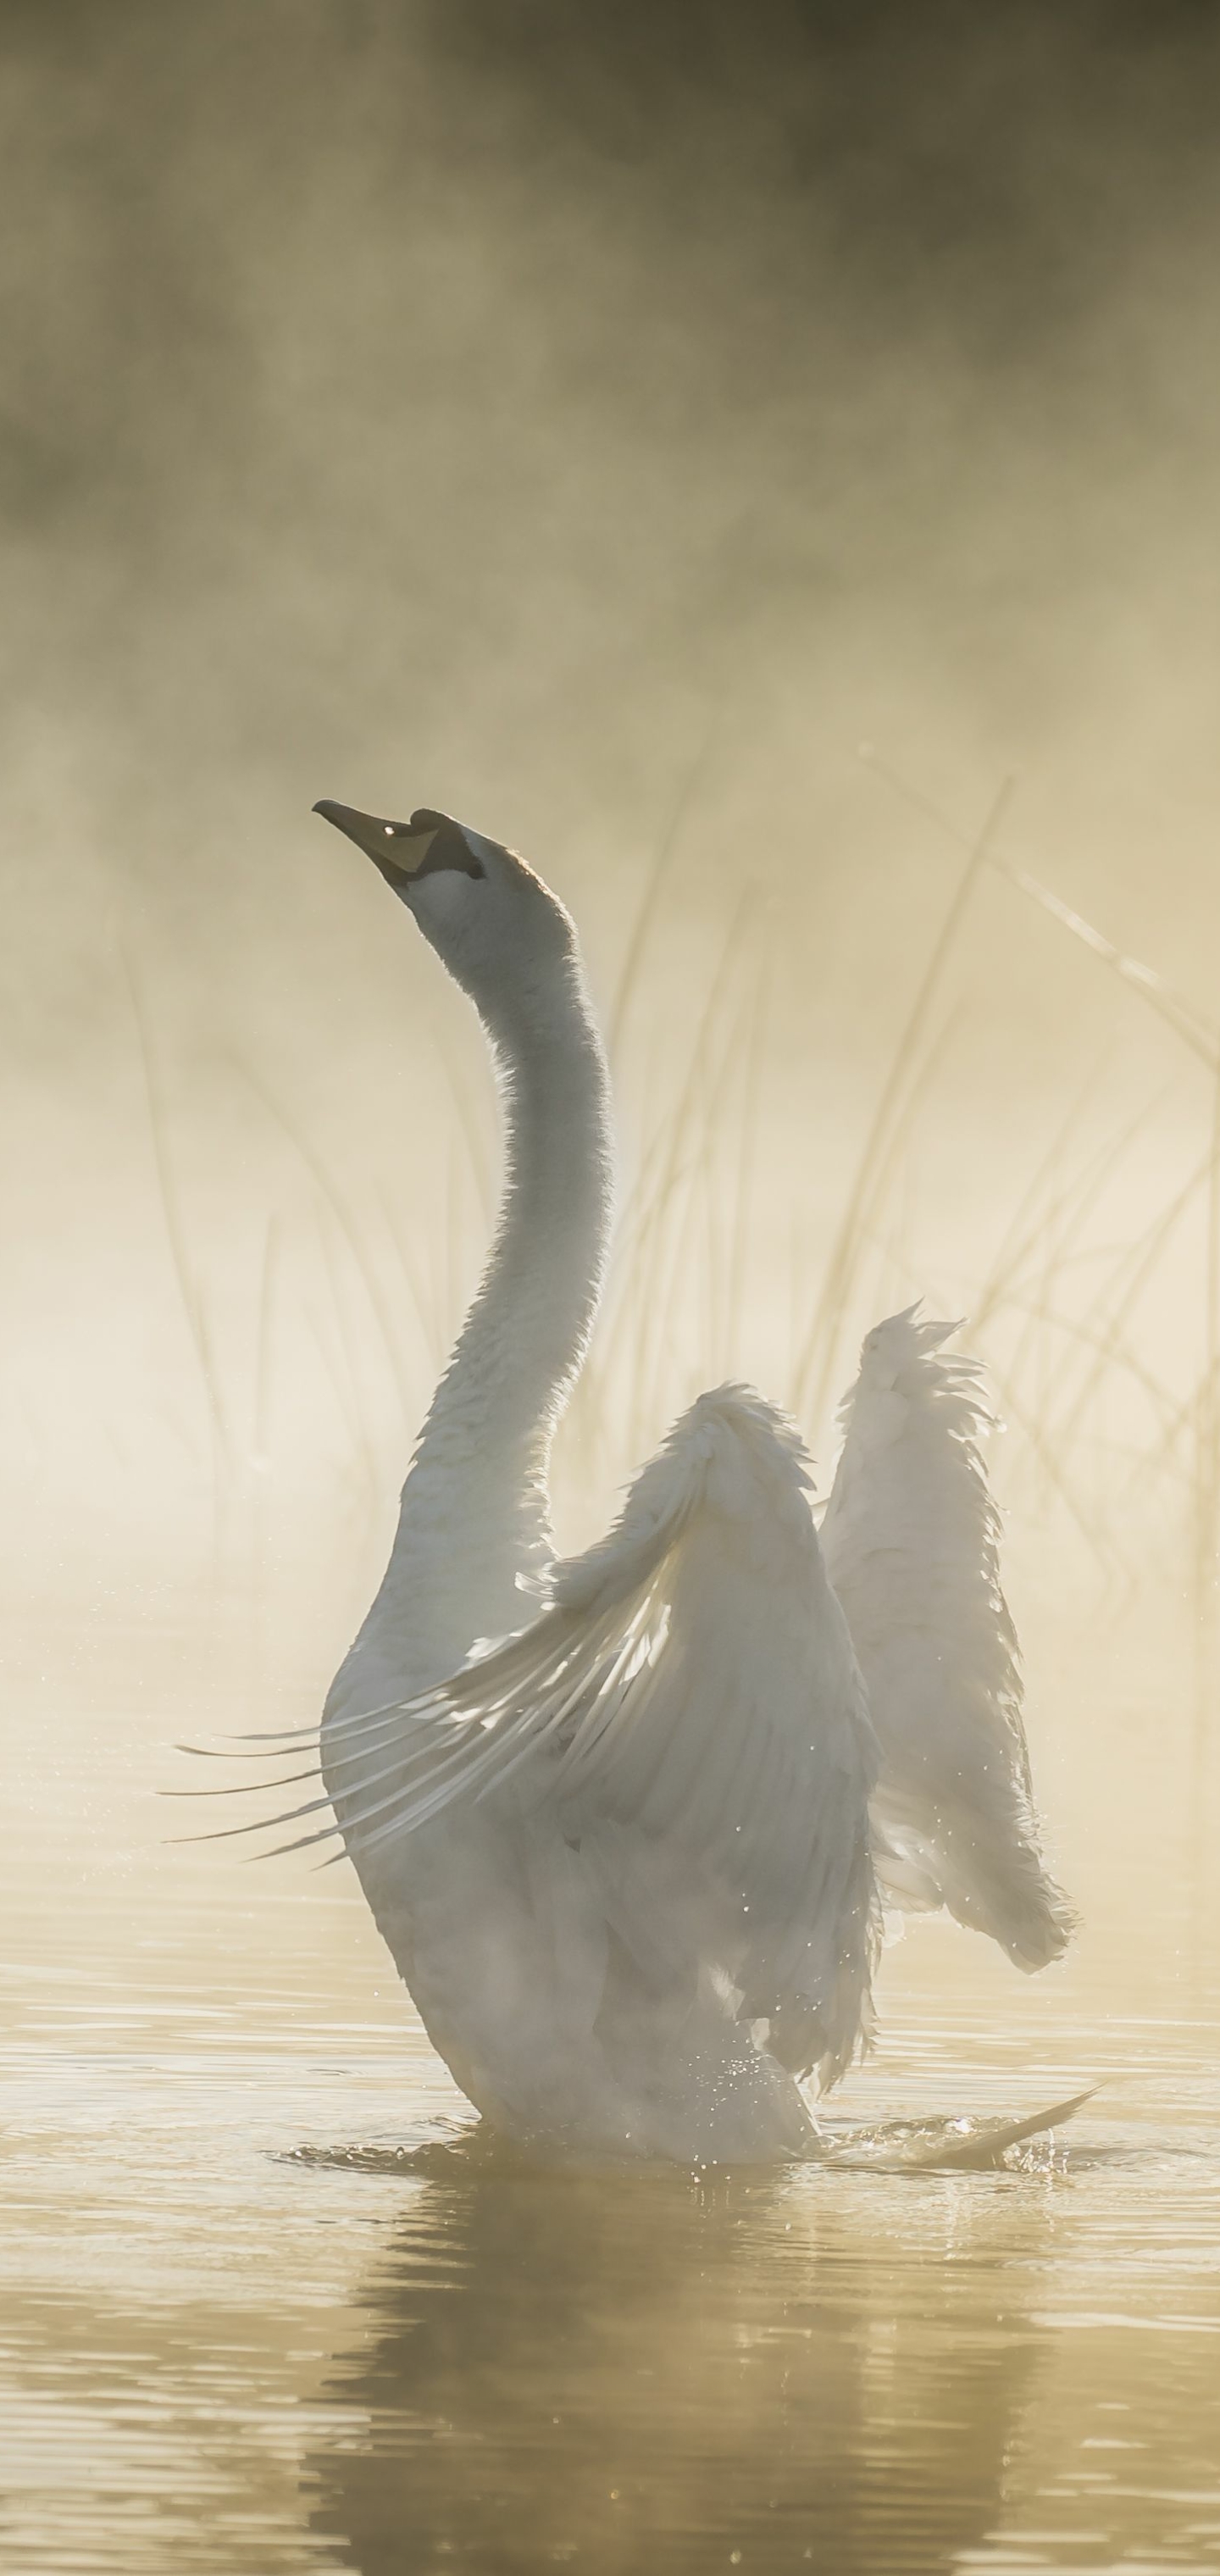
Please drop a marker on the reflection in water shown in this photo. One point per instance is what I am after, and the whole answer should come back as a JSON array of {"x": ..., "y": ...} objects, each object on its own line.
[{"x": 622, "y": 2371}]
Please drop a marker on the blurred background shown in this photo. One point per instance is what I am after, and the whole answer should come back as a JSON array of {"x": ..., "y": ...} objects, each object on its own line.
[{"x": 763, "y": 466}]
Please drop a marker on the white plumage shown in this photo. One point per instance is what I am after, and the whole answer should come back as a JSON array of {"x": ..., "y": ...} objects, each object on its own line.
[
  {"x": 911, "y": 1542},
  {"x": 627, "y": 1859}
]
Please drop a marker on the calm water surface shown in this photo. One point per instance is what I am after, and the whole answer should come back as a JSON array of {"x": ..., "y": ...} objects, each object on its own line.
[{"x": 271, "y": 2303}]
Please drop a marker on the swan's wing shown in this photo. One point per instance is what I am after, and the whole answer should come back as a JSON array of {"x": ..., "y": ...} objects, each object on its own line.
[
  {"x": 911, "y": 1543},
  {"x": 691, "y": 1690}
]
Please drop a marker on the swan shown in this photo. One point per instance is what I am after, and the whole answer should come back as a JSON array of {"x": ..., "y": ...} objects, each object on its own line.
[{"x": 626, "y": 1820}]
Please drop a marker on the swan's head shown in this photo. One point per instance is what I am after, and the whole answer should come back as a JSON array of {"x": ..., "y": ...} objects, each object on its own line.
[{"x": 492, "y": 922}]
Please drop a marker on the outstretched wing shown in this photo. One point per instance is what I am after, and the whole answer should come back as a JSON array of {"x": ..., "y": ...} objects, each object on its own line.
[
  {"x": 911, "y": 1543},
  {"x": 691, "y": 1688}
]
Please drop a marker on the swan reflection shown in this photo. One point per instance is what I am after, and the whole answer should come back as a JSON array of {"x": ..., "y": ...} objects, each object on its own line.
[{"x": 634, "y": 2371}]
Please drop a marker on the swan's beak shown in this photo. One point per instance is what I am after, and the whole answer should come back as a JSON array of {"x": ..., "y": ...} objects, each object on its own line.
[
  {"x": 424, "y": 847},
  {"x": 400, "y": 848}
]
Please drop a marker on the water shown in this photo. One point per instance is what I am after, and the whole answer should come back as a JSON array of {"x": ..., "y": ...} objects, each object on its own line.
[{"x": 271, "y": 2303}]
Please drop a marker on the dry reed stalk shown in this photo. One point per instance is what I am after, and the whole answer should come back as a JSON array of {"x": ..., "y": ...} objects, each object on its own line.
[
  {"x": 473, "y": 1137},
  {"x": 1202, "y": 1040},
  {"x": 698, "y": 1179},
  {"x": 1093, "y": 1532},
  {"x": 676, "y": 1146},
  {"x": 1010, "y": 1246},
  {"x": 695, "y": 1193},
  {"x": 891, "y": 1169},
  {"x": 1116, "y": 1355},
  {"x": 1136, "y": 1270},
  {"x": 1055, "y": 1230},
  {"x": 346, "y": 1223},
  {"x": 816, "y": 1371},
  {"x": 736, "y": 1272},
  {"x": 433, "y": 1326},
  {"x": 629, "y": 975},
  {"x": 352, "y": 1404},
  {"x": 263, "y": 1351},
  {"x": 1206, "y": 1537},
  {"x": 175, "y": 1234},
  {"x": 1064, "y": 1215},
  {"x": 1187, "y": 1023},
  {"x": 261, "y": 1420},
  {"x": 680, "y": 1176},
  {"x": 456, "y": 1267}
]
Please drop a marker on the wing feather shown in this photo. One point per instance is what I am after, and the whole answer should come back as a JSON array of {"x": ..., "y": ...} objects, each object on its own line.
[
  {"x": 911, "y": 1542},
  {"x": 690, "y": 1689}
]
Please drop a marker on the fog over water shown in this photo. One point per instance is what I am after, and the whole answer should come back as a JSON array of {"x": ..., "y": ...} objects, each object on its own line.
[
  {"x": 602, "y": 430},
  {"x": 739, "y": 458}
]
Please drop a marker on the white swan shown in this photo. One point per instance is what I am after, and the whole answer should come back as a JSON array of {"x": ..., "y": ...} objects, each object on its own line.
[{"x": 627, "y": 1859}]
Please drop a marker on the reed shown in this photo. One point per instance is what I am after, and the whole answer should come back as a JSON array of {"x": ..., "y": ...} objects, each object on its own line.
[
  {"x": 1114, "y": 1424},
  {"x": 680, "y": 1292},
  {"x": 819, "y": 1361},
  {"x": 1103, "y": 1417},
  {"x": 190, "y": 1294}
]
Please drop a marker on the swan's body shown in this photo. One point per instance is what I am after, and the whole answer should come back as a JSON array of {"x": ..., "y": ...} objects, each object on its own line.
[{"x": 624, "y": 1862}]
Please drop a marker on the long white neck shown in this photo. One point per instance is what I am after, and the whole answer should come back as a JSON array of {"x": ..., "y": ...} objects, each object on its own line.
[{"x": 474, "y": 1510}]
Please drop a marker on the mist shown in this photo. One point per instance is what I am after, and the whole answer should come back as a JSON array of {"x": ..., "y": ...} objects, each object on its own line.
[
  {"x": 602, "y": 428},
  {"x": 761, "y": 465}
]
